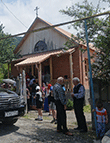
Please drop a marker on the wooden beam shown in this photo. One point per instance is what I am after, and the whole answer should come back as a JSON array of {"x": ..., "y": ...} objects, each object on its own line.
[
  {"x": 40, "y": 75},
  {"x": 32, "y": 69},
  {"x": 17, "y": 68},
  {"x": 27, "y": 67},
  {"x": 51, "y": 70},
  {"x": 71, "y": 71},
  {"x": 21, "y": 70}
]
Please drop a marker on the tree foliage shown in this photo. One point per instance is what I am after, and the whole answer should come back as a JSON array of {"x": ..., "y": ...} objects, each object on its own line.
[
  {"x": 101, "y": 66},
  {"x": 6, "y": 51},
  {"x": 98, "y": 33},
  {"x": 6, "y": 47}
]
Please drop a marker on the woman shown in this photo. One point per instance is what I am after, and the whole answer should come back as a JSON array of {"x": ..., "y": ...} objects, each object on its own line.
[
  {"x": 46, "y": 104},
  {"x": 43, "y": 92},
  {"x": 43, "y": 88}
]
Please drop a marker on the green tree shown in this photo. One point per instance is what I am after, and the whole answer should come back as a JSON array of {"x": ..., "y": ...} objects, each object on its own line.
[
  {"x": 6, "y": 52},
  {"x": 101, "y": 66},
  {"x": 98, "y": 33}
]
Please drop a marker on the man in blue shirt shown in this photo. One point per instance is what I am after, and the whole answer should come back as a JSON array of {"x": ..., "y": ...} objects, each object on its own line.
[
  {"x": 78, "y": 98},
  {"x": 60, "y": 101}
]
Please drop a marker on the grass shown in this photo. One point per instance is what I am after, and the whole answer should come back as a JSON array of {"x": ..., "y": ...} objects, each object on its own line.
[
  {"x": 75, "y": 123},
  {"x": 26, "y": 116},
  {"x": 29, "y": 116},
  {"x": 87, "y": 108}
]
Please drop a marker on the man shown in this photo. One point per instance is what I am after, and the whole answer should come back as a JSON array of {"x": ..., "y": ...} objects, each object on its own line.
[
  {"x": 31, "y": 80},
  {"x": 60, "y": 101},
  {"x": 78, "y": 98}
]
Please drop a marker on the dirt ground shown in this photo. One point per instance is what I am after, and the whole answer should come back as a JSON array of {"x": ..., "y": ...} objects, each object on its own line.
[{"x": 27, "y": 130}]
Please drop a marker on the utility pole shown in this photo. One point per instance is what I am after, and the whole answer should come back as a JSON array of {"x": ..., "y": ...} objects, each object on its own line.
[
  {"x": 91, "y": 81},
  {"x": 36, "y": 9}
]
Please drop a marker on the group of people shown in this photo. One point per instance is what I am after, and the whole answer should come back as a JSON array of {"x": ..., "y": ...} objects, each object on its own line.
[
  {"x": 41, "y": 98},
  {"x": 55, "y": 100},
  {"x": 78, "y": 96},
  {"x": 60, "y": 101}
]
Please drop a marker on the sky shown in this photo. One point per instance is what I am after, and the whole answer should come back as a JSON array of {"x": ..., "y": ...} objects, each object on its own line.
[{"x": 24, "y": 11}]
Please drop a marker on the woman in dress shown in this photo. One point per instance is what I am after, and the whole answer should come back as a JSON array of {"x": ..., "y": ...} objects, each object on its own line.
[{"x": 46, "y": 104}]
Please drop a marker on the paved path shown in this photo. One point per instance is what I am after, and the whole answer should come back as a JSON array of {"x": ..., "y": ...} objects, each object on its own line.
[{"x": 27, "y": 130}]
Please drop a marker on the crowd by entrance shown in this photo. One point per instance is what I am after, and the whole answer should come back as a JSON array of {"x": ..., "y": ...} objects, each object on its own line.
[{"x": 40, "y": 98}]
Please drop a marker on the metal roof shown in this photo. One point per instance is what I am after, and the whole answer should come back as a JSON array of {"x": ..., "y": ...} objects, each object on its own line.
[{"x": 42, "y": 57}]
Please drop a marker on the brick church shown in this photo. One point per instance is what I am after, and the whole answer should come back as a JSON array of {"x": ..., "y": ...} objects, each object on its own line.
[{"x": 43, "y": 55}]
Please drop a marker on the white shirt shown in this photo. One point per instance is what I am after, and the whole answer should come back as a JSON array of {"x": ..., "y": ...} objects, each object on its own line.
[{"x": 40, "y": 95}]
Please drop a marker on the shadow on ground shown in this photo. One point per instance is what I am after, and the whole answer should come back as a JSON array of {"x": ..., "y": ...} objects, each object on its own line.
[
  {"x": 51, "y": 136},
  {"x": 7, "y": 129}
]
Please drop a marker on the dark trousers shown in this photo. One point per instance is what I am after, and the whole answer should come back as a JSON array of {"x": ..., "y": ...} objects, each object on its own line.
[
  {"x": 28, "y": 104},
  {"x": 78, "y": 108},
  {"x": 61, "y": 116}
]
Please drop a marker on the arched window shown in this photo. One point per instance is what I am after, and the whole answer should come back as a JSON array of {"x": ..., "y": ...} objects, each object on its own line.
[{"x": 40, "y": 46}]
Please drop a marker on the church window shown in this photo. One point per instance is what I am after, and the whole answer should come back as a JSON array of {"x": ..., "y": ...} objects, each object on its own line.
[{"x": 40, "y": 46}]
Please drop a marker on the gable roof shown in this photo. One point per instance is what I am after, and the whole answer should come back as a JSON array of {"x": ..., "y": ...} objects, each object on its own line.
[{"x": 61, "y": 31}]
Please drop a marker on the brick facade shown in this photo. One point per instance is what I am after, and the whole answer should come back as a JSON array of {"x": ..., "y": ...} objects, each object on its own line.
[{"x": 61, "y": 66}]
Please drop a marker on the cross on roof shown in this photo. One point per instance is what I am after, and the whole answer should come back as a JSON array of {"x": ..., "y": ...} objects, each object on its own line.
[{"x": 36, "y": 9}]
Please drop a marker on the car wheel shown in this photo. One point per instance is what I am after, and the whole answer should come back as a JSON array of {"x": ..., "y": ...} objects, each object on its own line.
[{"x": 9, "y": 122}]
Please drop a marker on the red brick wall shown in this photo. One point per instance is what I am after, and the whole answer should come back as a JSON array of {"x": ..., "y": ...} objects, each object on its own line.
[
  {"x": 61, "y": 66},
  {"x": 79, "y": 66}
]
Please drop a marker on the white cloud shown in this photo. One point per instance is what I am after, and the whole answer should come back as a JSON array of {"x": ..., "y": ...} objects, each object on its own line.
[
  {"x": 24, "y": 10},
  {"x": 49, "y": 11}
]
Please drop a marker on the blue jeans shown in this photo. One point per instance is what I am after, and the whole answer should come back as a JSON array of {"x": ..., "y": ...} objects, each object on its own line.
[
  {"x": 33, "y": 100},
  {"x": 101, "y": 129}
]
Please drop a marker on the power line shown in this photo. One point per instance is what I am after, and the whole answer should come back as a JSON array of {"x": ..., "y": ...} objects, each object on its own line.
[
  {"x": 56, "y": 25},
  {"x": 13, "y": 14}
]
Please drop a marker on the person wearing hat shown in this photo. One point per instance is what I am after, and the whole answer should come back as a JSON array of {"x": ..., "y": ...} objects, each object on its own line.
[{"x": 39, "y": 102}]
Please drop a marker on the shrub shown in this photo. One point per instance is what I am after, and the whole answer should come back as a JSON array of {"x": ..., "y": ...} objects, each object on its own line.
[
  {"x": 69, "y": 104},
  {"x": 87, "y": 108}
]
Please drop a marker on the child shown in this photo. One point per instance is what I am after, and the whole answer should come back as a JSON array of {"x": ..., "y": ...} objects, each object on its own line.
[
  {"x": 102, "y": 118},
  {"x": 39, "y": 102}
]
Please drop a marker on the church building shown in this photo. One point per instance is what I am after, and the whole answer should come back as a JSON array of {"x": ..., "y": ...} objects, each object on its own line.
[{"x": 44, "y": 56}]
